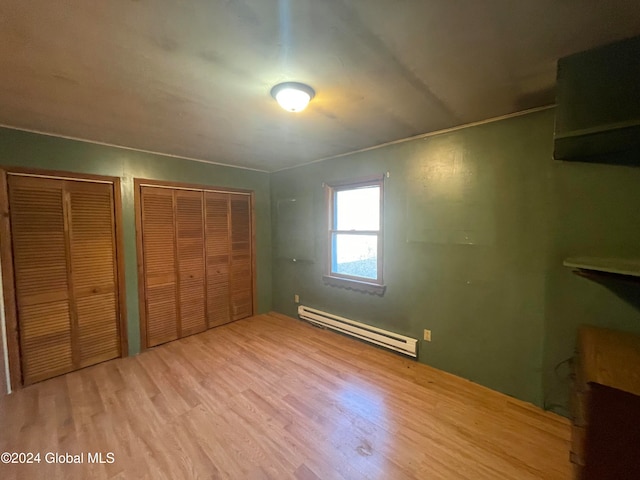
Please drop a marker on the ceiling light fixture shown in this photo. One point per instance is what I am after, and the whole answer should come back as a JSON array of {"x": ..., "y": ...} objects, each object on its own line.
[{"x": 293, "y": 96}]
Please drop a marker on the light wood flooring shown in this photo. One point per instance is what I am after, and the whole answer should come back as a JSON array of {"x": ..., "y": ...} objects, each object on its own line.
[{"x": 273, "y": 397}]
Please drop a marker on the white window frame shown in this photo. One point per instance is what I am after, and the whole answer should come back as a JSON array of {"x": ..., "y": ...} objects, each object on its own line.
[{"x": 364, "y": 284}]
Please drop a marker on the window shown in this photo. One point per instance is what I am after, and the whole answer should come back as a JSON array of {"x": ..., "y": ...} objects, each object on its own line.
[{"x": 355, "y": 235}]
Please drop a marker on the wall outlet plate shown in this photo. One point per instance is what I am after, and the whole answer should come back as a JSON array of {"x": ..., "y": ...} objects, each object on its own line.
[
  {"x": 296, "y": 298},
  {"x": 427, "y": 335}
]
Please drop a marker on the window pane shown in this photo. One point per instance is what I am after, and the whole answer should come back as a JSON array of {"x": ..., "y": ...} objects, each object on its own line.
[
  {"x": 358, "y": 209},
  {"x": 355, "y": 255}
]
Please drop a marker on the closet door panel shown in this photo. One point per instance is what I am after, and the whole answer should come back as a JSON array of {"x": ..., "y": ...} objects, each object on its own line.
[
  {"x": 65, "y": 268},
  {"x": 41, "y": 274},
  {"x": 197, "y": 263},
  {"x": 98, "y": 329},
  {"x": 45, "y": 341},
  {"x": 218, "y": 258},
  {"x": 158, "y": 233},
  {"x": 93, "y": 267},
  {"x": 191, "y": 261},
  {"x": 162, "y": 313},
  {"x": 241, "y": 296},
  {"x": 38, "y": 234},
  {"x": 241, "y": 280}
]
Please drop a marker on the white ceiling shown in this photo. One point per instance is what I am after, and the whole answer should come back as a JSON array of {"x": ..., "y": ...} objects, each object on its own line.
[{"x": 192, "y": 78}]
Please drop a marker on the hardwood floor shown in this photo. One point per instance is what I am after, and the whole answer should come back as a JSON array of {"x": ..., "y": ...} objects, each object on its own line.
[{"x": 273, "y": 397}]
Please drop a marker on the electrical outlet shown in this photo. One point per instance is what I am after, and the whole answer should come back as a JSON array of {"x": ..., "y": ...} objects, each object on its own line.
[
  {"x": 427, "y": 335},
  {"x": 296, "y": 298}
]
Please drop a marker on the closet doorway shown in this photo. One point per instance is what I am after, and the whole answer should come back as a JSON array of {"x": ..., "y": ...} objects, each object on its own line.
[
  {"x": 195, "y": 256},
  {"x": 61, "y": 272}
]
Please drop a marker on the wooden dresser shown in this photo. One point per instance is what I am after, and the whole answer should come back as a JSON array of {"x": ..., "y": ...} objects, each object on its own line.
[{"x": 606, "y": 405}]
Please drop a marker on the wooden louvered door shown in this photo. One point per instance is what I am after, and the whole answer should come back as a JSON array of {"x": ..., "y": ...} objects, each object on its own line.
[
  {"x": 159, "y": 251},
  {"x": 241, "y": 278},
  {"x": 197, "y": 258},
  {"x": 218, "y": 258},
  {"x": 92, "y": 245},
  {"x": 64, "y": 253},
  {"x": 42, "y": 278},
  {"x": 191, "y": 261}
]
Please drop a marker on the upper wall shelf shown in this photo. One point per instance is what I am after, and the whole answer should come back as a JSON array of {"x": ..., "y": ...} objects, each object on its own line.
[
  {"x": 624, "y": 267},
  {"x": 598, "y": 105}
]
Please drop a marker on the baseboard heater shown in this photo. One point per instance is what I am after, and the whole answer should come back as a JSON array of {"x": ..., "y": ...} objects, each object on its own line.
[{"x": 384, "y": 338}]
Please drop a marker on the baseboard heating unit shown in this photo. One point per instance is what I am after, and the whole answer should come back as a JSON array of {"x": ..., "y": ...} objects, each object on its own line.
[{"x": 384, "y": 338}]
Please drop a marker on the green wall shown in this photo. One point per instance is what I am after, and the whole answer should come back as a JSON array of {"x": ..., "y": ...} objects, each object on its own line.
[
  {"x": 477, "y": 222},
  {"x": 596, "y": 212},
  {"x": 25, "y": 149}
]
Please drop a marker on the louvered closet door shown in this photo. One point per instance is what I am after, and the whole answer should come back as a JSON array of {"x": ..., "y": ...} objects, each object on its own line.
[
  {"x": 159, "y": 253},
  {"x": 218, "y": 258},
  {"x": 197, "y": 260},
  {"x": 93, "y": 271},
  {"x": 41, "y": 274},
  {"x": 241, "y": 261},
  {"x": 63, "y": 237},
  {"x": 191, "y": 261}
]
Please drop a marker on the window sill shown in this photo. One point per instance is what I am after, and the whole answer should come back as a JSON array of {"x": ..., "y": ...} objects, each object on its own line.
[{"x": 366, "y": 287}]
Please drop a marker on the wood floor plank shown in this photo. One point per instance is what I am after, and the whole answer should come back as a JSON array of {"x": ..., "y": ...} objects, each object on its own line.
[{"x": 272, "y": 397}]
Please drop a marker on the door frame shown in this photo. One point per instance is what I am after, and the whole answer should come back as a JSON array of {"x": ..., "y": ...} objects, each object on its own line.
[
  {"x": 138, "y": 183},
  {"x": 8, "y": 274}
]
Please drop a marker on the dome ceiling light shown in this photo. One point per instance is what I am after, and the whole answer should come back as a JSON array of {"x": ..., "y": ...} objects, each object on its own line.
[{"x": 293, "y": 96}]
